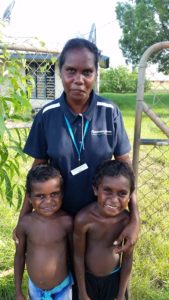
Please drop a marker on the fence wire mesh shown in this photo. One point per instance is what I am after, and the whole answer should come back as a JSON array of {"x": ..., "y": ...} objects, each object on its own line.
[{"x": 151, "y": 260}]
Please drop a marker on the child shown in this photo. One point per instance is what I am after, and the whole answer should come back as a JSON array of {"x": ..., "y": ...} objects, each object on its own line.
[
  {"x": 100, "y": 272},
  {"x": 44, "y": 235}
]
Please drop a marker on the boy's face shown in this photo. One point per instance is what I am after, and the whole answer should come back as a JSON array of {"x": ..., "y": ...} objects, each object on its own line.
[
  {"x": 113, "y": 195},
  {"x": 46, "y": 197}
]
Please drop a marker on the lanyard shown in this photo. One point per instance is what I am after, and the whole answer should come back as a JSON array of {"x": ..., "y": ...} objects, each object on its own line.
[{"x": 73, "y": 138}]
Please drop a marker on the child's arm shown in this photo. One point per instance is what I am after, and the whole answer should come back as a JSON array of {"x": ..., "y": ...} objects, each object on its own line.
[
  {"x": 126, "y": 267},
  {"x": 70, "y": 242},
  {"x": 19, "y": 261},
  {"x": 79, "y": 238}
]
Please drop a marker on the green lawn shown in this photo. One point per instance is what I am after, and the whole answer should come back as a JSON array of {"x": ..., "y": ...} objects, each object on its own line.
[{"x": 150, "y": 277}]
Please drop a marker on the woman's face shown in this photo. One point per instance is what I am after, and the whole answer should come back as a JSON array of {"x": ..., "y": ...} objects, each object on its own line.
[{"x": 78, "y": 75}]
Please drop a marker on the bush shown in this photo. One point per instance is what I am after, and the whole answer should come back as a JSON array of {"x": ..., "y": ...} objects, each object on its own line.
[
  {"x": 14, "y": 105},
  {"x": 119, "y": 80}
]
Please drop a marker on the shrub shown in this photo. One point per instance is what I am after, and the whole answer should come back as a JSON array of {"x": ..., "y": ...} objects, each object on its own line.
[
  {"x": 119, "y": 80},
  {"x": 14, "y": 105}
]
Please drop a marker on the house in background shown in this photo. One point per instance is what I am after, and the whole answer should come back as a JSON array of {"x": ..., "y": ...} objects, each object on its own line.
[
  {"x": 47, "y": 82},
  {"x": 159, "y": 81},
  {"x": 45, "y": 73},
  {"x": 42, "y": 65}
]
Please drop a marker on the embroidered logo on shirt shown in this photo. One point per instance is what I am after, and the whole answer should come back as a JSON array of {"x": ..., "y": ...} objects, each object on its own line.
[{"x": 101, "y": 132}]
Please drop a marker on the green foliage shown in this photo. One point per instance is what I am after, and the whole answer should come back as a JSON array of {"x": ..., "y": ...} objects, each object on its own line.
[
  {"x": 119, "y": 80},
  {"x": 143, "y": 23},
  {"x": 14, "y": 105},
  {"x": 16, "y": 86}
]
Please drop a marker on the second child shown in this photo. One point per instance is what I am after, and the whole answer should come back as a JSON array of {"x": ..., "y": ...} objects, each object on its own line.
[{"x": 102, "y": 273}]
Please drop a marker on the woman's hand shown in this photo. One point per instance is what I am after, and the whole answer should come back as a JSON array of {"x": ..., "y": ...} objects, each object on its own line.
[{"x": 129, "y": 235}]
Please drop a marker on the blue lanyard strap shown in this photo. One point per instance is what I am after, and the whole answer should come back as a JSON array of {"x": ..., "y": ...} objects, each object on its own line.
[{"x": 73, "y": 138}]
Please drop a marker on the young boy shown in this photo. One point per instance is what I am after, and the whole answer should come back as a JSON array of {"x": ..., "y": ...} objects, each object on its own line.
[
  {"x": 101, "y": 273},
  {"x": 44, "y": 235}
]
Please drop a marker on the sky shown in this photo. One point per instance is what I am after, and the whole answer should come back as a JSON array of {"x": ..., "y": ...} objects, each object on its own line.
[{"x": 55, "y": 21}]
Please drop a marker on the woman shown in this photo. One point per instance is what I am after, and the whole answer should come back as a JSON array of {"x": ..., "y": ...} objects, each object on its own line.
[{"x": 79, "y": 130}]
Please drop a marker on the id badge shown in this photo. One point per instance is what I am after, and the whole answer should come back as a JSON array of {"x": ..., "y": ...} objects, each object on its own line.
[{"x": 79, "y": 169}]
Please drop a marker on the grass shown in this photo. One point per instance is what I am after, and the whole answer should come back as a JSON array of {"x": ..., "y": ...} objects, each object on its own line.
[
  {"x": 127, "y": 104},
  {"x": 150, "y": 276}
]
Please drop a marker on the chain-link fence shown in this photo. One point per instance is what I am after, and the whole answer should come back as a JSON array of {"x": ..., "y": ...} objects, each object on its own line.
[{"x": 150, "y": 279}]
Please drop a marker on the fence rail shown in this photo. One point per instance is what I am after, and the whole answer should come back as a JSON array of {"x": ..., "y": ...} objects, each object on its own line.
[{"x": 151, "y": 166}]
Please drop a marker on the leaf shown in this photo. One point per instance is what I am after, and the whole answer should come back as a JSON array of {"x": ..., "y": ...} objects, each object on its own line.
[
  {"x": 15, "y": 166},
  {"x": 20, "y": 197},
  {"x": 3, "y": 154},
  {"x": 12, "y": 167},
  {"x": 19, "y": 151},
  {"x": 19, "y": 136},
  {"x": 8, "y": 188},
  {"x": 2, "y": 121},
  {"x": 1, "y": 179},
  {"x": 53, "y": 60}
]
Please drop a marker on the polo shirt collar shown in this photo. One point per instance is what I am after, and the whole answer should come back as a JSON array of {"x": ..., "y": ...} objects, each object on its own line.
[{"x": 88, "y": 114}]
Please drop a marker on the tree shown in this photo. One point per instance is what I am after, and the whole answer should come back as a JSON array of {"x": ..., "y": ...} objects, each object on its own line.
[
  {"x": 16, "y": 85},
  {"x": 143, "y": 23}
]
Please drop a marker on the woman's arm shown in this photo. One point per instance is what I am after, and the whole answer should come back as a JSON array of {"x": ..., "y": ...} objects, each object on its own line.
[{"x": 131, "y": 231}]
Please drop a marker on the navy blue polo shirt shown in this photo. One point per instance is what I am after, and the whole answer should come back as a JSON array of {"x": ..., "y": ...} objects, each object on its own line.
[{"x": 50, "y": 138}]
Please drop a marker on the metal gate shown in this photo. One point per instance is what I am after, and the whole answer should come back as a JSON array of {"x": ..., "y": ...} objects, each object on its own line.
[{"x": 151, "y": 166}]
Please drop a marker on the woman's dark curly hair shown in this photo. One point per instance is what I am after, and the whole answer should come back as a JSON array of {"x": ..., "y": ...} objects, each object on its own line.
[{"x": 79, "y": 43}]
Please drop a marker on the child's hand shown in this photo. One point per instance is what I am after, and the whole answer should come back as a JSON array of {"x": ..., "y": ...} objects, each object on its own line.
[{"x": 84, "y": 297}]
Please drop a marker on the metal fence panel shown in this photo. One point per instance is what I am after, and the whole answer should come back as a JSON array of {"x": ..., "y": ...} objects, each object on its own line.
[{"x": 151, "y": 166}]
